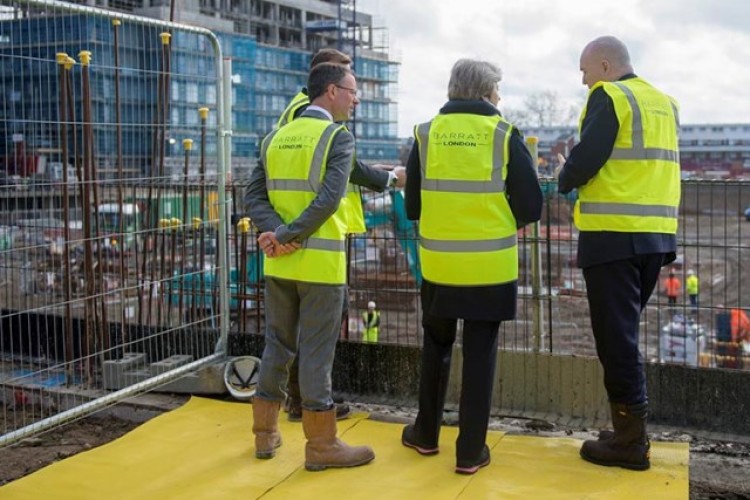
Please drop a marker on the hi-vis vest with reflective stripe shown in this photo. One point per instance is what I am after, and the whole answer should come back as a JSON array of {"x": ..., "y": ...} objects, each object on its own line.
[
  {"x": 294, "y": 158},
  {"x": 467, "y": 230},
  {"x": 297, "y": 102},
  {"x": 353, "y": 201},
  {"x": 638, "y": 188}
]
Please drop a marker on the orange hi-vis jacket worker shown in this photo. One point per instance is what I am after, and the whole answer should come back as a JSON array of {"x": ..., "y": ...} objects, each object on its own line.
[
  {"x": 740, "y": 325},
  {"x": 672, "y": 286}
]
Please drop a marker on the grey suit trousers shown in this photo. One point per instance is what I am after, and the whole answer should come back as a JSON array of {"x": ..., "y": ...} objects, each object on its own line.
[{"x": 305, "y": 317}]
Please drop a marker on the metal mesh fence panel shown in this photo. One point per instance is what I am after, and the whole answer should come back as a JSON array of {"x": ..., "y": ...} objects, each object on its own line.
[
  {"x": 112, "y": 208},
  {"x": 713, "y": 245}
]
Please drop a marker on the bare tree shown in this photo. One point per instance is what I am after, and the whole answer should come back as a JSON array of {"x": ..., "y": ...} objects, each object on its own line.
[{"x": 542, "y": 109}]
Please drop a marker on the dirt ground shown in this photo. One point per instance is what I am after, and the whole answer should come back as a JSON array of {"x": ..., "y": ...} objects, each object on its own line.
[{"x": 718, "y": 470}]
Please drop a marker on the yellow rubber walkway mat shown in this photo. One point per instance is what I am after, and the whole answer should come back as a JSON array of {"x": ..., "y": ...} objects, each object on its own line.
[{"x": 205, "y": 450}]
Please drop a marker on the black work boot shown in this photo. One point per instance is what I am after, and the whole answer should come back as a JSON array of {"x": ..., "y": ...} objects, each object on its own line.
[{"x": 628, "y": 447}]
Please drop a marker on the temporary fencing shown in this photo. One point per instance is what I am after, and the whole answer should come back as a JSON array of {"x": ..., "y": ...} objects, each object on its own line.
[
  {"x": 113, "y": 205},
  {"x": 126, "y": 258}
]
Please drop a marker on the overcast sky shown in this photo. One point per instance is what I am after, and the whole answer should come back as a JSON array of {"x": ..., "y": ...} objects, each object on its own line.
[{"x": 696, "y": 50}]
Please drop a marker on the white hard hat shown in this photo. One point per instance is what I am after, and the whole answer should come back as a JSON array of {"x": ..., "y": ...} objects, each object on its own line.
[
  {"x": 371, "y": 305},
  {"x": 691, "y": 271},
  {"x": 241, "y": 377}
]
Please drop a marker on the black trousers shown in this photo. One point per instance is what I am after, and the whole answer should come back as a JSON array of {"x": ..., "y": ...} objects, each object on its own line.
[
  {"x": 617, "y": 293},
  {"x": 478, "y": 374}
]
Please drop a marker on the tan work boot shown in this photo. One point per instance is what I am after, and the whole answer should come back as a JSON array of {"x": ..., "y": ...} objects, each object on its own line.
[
  {"x": 324, "y": 449},
  {"x": 266, "y": 427}
]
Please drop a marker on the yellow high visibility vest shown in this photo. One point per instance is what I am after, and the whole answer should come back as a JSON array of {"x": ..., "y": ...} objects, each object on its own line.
[
  {"x": 638, "y": 188},
  {"x": 355, "y": 216},
  {"x": 294, "y": 158},
  {"x": 691, "y": 283},
  {"x": 467, "y": 230},
  {"x": 370, "y": 333},
  {"x": 353, "y": 201},
  {"x": 296, "y": 103}
]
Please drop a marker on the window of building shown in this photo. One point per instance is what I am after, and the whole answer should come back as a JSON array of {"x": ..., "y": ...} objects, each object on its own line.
[
  {"x": 192, "y": 93},
  {"x": 210, "y": 94},
  {"x": 176, "y": 91}
]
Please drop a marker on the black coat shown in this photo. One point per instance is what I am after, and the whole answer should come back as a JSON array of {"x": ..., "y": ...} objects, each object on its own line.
[{"x": 598, "y": 134}]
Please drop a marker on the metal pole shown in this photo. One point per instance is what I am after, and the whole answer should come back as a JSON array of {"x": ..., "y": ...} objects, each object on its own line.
[
  {"x": 187, "y": 144},
  {"x": 338, "y": 28},
  {"x": 224, "y": 132},
  {"x": 88, "y": 258},
  {"x": 120, "y": 178},
  {"x": 174, "y": 224},
  {"x": 203, "y": 113},
  {"x": 244, "y": 227},
  {"x": 536, "y": 262},
  {"x": 106, "y": 401},
  {"x": 164, "y": 225},
  {"x": 62, "y": 59}
]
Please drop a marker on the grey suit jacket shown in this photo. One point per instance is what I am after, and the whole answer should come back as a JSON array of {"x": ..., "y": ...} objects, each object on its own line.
[{"x": 332, "y": 190}]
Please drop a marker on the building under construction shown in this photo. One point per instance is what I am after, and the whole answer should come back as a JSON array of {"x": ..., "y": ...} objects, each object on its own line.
[{"x": 270, "y": 44}]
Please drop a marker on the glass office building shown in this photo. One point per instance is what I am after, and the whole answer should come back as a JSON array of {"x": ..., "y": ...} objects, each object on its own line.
[{"x": 270, "y": 52}]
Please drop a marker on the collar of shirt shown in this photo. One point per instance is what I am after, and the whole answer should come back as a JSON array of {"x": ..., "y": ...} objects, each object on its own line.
[
  {"x": 473, "y": 107},
  {"x": 312, "y": 107}
]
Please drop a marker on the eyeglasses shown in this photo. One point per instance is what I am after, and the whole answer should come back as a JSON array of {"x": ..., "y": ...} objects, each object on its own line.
[{"x": 351, "y": 91}]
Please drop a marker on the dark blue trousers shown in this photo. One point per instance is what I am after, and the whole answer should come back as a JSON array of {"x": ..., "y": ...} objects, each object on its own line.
[
  {"x": 479, "y": 351},
  {"x": 617, "y": 293}
]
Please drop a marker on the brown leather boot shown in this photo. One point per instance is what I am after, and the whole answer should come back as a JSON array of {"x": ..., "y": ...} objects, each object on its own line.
[
  {"x": 628, "y": 446},
  {"x": 266, "y": 427},
  {"x": 324, "y": 449}
]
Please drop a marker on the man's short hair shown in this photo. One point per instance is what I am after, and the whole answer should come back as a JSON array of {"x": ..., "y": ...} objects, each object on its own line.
[
  {"x": 329, "y": 56},
  {"x": 472, "y": 79},
  {"x": 323, "y": 75}
]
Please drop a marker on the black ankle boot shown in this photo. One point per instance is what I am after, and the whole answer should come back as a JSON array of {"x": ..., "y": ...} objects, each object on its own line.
[{"x": 628, "y": 447}]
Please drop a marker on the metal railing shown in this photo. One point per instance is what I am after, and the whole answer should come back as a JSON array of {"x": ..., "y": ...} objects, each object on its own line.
[
  {"x": 713, "y": 241},
  {"x": 113, "y": 244}
]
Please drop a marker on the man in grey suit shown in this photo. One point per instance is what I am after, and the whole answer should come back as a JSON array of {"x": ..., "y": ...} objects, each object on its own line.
[
  {"x": 376, "y": 177},
  {"x": 296, "y": 197}
]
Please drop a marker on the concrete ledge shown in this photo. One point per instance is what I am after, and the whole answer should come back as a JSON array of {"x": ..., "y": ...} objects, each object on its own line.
[{"x": 566, "y": 389}]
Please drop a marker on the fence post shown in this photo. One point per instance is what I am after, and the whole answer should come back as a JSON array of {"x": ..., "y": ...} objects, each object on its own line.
[
  {"x": 532, "y": 143},
  {"x": 224, "y": 145}
]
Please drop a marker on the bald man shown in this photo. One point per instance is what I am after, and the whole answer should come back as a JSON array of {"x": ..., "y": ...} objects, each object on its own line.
[{"x": 627, "y": 172}]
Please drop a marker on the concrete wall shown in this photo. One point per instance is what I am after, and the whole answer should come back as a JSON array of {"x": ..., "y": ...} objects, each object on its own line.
[{"x": 564, "y": 389}]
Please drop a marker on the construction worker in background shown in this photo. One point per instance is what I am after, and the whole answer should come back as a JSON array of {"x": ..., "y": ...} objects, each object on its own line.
[
  {"x": 375, "y": 177},
  {"x": 732, "y": 332},
  {"x": 739, "y": 325},
  {"x": 626, "y": 168},
  {"x": 692, "y": 287},
  {"x": 370, "y": 323},
  {"x": 672, "y": 286}
]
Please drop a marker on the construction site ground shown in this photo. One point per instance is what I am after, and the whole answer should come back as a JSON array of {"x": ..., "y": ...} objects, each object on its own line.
[{"x": 719, "y": 469}]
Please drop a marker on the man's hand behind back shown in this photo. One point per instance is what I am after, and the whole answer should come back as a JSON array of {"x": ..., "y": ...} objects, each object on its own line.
[{"x": 272, "y": 248}]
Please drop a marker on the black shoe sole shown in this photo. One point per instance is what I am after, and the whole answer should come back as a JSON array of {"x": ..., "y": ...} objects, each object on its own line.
[{"x": 624, "y": 465}]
